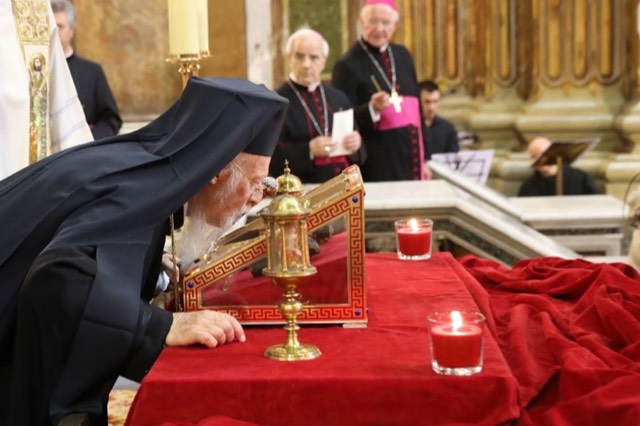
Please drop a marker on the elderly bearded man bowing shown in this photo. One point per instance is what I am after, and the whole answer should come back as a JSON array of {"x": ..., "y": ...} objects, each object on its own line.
[{"x": 83, "y": 254}]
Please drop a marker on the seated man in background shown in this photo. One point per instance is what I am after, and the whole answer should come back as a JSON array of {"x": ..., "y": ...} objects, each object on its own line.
[
  {"x": 85, "y": 251},
  {"x": 306, "y": 135},
  {"x": 543, "y": 180},
  {"x": 91, "y": 83},
  {"x": 438, "y": 133}
]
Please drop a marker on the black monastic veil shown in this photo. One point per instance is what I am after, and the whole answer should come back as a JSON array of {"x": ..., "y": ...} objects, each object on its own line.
[{"x": 110, "y": 198}]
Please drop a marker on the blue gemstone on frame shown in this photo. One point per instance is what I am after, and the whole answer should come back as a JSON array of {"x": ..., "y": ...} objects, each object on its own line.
[
  {"x": 190, "y": 284},
  {"x": 355, "y": 199},
  {"x": 358, "y": 312}
]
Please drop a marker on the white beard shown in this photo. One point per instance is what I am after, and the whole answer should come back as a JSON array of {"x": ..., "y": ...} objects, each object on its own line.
[
  {"x": 199, "y": 237},
  {"x": 196, "y": 239}
]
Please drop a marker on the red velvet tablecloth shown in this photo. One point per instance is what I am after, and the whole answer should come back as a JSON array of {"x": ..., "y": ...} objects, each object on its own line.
[
  {"x": 379, "y": 375},
  {"x": 570, "y": 331}
]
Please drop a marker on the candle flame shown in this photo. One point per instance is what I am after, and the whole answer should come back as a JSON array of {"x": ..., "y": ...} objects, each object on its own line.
[
  {"x": 456, "y": 319},
  {"x": 413, "y": 224}
]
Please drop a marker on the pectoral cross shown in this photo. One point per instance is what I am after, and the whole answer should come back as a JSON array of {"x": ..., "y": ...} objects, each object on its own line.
[{"x": 396, "y": 100}]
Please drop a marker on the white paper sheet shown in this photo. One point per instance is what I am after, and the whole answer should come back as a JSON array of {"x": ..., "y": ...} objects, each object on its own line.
[
  {"x": 342, "y": 126},
  {"x": 475, "y": 164}
]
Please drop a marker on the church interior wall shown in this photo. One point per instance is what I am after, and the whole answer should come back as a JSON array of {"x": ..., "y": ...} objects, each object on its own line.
[{"x": 509, "y": 70}]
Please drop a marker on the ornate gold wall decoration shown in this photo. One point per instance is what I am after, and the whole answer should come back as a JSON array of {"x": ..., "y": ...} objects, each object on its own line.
[
  {"x": 503, "y": 64},
  {"x": 581, "y": 42}
]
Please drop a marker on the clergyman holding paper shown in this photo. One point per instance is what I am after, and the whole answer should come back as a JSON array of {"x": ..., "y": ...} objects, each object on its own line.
[{"x": 318, "y": 137}]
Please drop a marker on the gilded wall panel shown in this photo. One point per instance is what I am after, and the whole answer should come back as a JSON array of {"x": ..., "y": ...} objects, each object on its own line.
[
  {"x": 406, "y": 35},
  {"x": 582, "y": 41},
  {"x": 505, "y": 71},
  {"x": 527, "y": 50},
  {"x": 553, "y": 31},
  {"x": 436, "y": 40},
  {"x": 227, "y": 40},
  {"x": 451, "y": 44},
  {"x": 609, "y": 40},
  {"x": 425, "y": 56},
  {"x": 604, "y": 39},
  {"x": 476, "y": 54},
  {"x": 631, "y": 62}
]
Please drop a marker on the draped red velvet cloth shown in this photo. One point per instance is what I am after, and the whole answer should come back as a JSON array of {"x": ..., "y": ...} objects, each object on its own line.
[
  {"x": 570, "y": 331},
  {"x": 379, "y": 375}
]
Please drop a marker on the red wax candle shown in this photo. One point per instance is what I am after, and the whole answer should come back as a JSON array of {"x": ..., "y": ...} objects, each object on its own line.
[
  {"x": 455, "y": 347},
  {"x": 414, "y": 242}
]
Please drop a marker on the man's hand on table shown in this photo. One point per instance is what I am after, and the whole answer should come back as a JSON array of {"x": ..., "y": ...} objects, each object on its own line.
[{"x": 209, "y": 328}]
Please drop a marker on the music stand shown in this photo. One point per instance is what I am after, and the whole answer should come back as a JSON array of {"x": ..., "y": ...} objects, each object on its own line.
[
  {"x": 563, "y": 152},
  {"x": 474, "y": 164}
]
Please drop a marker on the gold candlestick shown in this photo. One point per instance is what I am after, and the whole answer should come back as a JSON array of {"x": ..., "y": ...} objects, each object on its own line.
[{"x": 188, "y": 65}]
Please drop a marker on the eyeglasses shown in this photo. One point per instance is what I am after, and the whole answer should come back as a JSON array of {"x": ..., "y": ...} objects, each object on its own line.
[{"x": 256, "y": 187}]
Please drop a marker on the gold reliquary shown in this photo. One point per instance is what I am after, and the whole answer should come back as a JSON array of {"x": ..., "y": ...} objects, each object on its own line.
[{"x": 231, "y": 279}]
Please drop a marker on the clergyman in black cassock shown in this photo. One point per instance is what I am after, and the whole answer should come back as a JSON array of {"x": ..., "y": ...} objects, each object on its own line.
[
  {"x": 296, "y": 134},
  {"x": 396, "y": 152},
  {"x": 543, "y": 181},
  {"x": 574, "y": 182},
  {"x": 306, "y": 140},
  {"x": 87, "y": 229}
]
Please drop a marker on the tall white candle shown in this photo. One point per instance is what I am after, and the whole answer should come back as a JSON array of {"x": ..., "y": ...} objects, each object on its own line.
[
  {"x": 203, "y": 25},
  {"x": 183, "y": 27}
]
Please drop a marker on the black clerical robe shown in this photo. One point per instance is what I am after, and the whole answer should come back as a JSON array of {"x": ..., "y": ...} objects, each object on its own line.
[
  {"x": 299, "y": 129},
  {"x": 393, "y": 154},
  {"x": 95, "y": 95},
  {"x": 441, "y": 136},
  {"x": 574, "y": 182},
  {"x": 83, "y": 253}
]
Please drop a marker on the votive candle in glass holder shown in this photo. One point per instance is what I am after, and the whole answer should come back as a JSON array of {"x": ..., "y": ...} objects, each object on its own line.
[
  {"x": 413, "y": 238},
  {"x": 456, "y": 342}
]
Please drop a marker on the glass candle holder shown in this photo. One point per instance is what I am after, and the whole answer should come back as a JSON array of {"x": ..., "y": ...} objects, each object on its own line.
[
  {"x": 413, "y": 238},
  {"x": 456, "y": 342}
]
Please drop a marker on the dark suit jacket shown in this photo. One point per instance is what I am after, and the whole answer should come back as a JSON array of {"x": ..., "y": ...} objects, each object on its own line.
[
  {"x": 96, "y": 98},
  {"x": 440, "y": 137}
]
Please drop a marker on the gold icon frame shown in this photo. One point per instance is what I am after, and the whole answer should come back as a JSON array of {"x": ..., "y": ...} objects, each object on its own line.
[{"x": 337, "y": 203}]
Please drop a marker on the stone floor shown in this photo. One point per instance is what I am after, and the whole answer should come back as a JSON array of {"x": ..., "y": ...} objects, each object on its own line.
[{"x": 120, "y": 399}]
